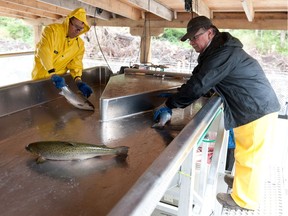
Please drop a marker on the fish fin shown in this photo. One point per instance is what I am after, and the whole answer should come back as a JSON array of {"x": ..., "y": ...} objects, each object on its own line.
[
  {"x": 122, "y": 150},
  {"x": 71, "y": 143},
  {"x": 40, "y": 159}
]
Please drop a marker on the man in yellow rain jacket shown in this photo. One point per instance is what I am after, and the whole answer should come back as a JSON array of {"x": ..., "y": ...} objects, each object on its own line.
[{"x": 60, "y": 49}]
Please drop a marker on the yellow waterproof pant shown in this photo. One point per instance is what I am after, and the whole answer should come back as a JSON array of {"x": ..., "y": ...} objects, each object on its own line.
[{"x": 252, "y": 142}]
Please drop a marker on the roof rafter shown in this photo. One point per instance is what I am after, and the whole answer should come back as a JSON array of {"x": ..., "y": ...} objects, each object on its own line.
[
  {"x": 73, "y": 4},
  {"x": 201, "y": 8},
  {"x": 155, "y": 8},
  {"x": 11, "y": 13},
  {"x": 41, "y": 6},
  {"x": 248, "y": 9},
  {"x": 28, "y": 10},
  {"x": 116, "y": 7}
]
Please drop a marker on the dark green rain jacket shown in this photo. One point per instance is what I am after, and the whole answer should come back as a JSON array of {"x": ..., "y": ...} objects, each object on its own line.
[{"x": 237, "y": 77}]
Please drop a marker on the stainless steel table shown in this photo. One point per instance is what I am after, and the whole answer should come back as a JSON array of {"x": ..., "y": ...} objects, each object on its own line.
[{"x": 88, "y": 187}]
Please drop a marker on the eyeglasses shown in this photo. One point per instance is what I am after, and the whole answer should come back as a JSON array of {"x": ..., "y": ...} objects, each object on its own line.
[
  {"x": 195, "y": 37},
  {"x": 78, "y": 28}
]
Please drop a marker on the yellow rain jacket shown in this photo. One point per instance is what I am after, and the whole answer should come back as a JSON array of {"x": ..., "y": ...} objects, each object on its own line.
[{"x": 56, "y": 50}]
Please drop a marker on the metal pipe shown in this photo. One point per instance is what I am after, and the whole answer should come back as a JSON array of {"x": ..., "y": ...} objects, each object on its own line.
[
  {"x": 12, "y": 54},
  {"x": 156, "y": 73}
]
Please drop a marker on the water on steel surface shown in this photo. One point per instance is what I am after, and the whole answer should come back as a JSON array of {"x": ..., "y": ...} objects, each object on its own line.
[{"x": 88, "y": 187}]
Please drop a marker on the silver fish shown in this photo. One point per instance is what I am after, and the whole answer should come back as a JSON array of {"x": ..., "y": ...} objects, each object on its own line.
[
  {"x": 61, "y": 150},
  {"x": 164, "y": 118},
  {"x": 76, "y": 100}
]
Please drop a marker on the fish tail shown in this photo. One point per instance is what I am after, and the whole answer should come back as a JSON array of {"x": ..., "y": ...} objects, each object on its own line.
[{"x": 122, "y": 150}]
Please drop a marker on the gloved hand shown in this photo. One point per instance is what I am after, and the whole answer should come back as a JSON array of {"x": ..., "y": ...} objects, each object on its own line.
[
  {"x": 157, "y": 112},
  {"x": 84, "y": 88},
  {"x": 58, "y": 81}
]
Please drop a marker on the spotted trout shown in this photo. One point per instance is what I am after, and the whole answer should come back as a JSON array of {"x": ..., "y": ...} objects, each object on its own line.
[
  {"x": 76, "y": 100},
  {"x": 61, "y": 150}
]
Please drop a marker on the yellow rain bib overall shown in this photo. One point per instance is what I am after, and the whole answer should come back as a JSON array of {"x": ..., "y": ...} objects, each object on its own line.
[{"x": 252, "y": 142}]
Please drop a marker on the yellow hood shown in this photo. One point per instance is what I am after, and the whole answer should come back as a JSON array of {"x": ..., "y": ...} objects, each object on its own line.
[{"x": 80, "y": 14}]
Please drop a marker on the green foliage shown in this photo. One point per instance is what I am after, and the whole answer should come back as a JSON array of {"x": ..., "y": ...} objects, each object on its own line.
[
  {"x": 174, "y": 36},
  {"x": 16, "y": 29},
  {"x": 265, "y": 41},
  {"x": 273, "y": 41}
]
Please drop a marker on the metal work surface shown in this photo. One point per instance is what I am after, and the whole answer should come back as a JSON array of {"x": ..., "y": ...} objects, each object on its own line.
[
  {"x": 143, "y": 197},
  {"x": 88, "y": 187},
  {"x": 132, "y": 94}
]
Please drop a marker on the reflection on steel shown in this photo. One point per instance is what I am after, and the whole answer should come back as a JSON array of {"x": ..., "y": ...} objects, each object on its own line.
[
  {"x": 144, "y": 196},
  {"x": 34, "y": 111},
  {"x": 24, "y": 95},
  {"x": 127, "y": 95}
]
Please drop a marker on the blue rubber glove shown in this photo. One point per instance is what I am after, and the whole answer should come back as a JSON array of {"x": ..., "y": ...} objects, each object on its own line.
[
  {"x": 58, "y": 81},
  {"x": 84, "y": 88},
  {"x": 162, "y": 108}
]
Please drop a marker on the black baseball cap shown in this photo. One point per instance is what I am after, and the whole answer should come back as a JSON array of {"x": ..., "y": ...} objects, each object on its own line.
[{"x": 195, "y": 24}]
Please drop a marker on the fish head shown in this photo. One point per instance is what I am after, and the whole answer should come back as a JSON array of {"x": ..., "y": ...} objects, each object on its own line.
[
  {"x": 28, "y": 148},
  {"x": 87, "y": 105},
  {"x": 32, "y": 148},
  {"x": 76, "y": 99}
]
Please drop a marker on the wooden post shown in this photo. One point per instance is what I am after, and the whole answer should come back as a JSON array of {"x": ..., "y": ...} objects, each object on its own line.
[
  {"x": 37, "y": 33},
  {"x": 145, "y": 46}
]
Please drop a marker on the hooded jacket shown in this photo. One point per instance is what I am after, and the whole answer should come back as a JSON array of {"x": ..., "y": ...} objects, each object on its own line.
[
  {"x": 57, "y": 51},
  {"x": 237, "y": 77}
]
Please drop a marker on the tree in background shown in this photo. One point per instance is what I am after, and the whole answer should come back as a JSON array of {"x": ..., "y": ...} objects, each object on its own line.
[
  {"x": 265, "y": 41},
  {"x": 12, "y": 29}
]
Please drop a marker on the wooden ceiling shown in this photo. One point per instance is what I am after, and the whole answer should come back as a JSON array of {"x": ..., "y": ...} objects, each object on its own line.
[{"x": 226, "y": 14}]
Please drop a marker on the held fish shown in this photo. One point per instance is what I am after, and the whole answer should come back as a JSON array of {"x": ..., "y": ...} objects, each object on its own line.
[
  {"x": 164, "y": 118},
  {"x": 61, "y": 150},
  {"x": 76, "y": 100}
]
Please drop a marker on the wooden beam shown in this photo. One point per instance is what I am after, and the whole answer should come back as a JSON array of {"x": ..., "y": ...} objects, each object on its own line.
[
  {"x": 265, "y": 24},
  {"x": 155, "y": 8},
  {"x": 73, "y": 4},
  {"x": 201, "y": 8},
  {"x": 43, "y": 21},
  {"x": 116, "y": 7},
  {"x": 154, "y": 22},
  {"x": 37, "y": 33},
  {"x": 145, "y": 45},
  {"x": 261, "y": 21},
  {"x": 264, "y": 21},
  {"x": 248, "y": 9},
  {"x": 11, "y": 15},
  {"x": 41, "y": 6},
  {"x": 16, "y": 14},
  {"x": 28, "y": 10}
]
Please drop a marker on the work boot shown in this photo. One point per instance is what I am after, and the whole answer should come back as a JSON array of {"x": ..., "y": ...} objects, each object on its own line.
[
  {"x": 229, "y": 180},
  {"x": 227, "y": 201}
]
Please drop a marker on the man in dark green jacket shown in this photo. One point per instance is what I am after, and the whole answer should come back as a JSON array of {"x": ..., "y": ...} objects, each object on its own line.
[{"x": 250, "y": 104}]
